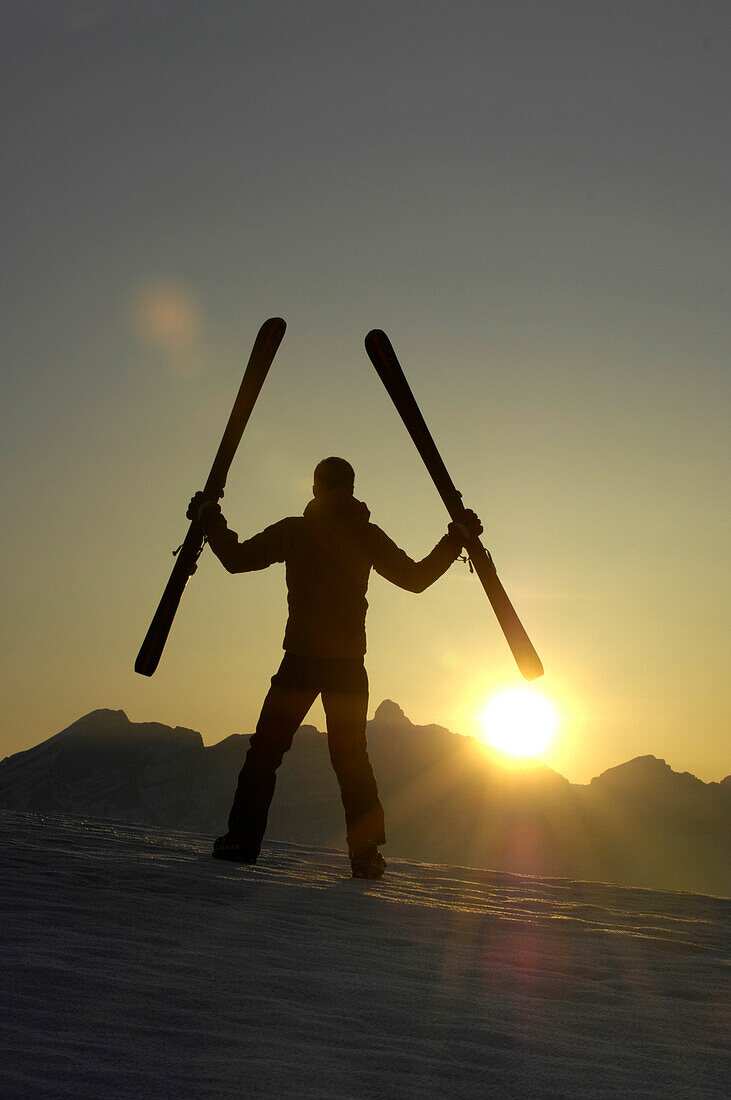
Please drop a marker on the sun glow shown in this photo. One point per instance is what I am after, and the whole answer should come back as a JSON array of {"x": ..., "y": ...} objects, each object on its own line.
[{"x": 520, "y": 722}]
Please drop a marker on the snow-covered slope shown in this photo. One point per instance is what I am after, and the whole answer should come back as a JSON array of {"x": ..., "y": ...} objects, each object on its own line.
[{"x": 134, "y": 965}]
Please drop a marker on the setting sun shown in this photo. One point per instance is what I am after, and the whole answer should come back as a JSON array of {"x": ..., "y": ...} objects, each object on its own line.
[{"x": 520, "y": 722}]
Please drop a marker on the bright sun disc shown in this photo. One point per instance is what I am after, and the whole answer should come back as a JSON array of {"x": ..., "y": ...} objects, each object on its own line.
[{"x": 519, "y": 722}]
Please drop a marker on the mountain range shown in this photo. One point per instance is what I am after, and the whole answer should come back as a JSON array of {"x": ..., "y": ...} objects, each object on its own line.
[{"x": 448, "y": 799}]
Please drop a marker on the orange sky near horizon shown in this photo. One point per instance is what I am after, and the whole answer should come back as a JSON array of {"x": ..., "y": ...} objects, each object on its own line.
[{"x": 532, "y": 200}]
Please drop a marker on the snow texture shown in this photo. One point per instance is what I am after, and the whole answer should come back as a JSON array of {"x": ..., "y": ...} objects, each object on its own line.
[{"x": 134, "y": 965}]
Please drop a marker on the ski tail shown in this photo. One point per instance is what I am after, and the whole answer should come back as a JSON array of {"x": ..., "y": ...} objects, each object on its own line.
[
  {"x": 384, "y": 359},
  {"x": 265, "y": 348}
]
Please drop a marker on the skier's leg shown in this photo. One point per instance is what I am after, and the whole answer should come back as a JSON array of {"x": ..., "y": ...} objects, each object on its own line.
[
  {"x": 290, "y": 696},
  {"x": 345, "y": 699}
]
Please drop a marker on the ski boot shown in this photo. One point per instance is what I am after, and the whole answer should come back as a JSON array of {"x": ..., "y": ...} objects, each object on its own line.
[
  {"x": 235, "y": 849},
  {"x": 367, "y": 862}
]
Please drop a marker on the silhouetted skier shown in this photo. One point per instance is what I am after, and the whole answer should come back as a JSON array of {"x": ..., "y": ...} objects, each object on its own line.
[{"x": 329, "y": 552}]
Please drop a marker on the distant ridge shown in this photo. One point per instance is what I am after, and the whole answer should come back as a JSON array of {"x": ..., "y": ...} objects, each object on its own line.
[{"x": 448, "y": 798}]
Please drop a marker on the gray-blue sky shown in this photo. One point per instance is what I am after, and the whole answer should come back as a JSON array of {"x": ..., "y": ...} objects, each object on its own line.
[{"x": 531, "y": 197}]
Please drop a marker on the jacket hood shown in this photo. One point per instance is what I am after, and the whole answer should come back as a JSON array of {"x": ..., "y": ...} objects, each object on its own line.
[{"x": 337, "y": 504}]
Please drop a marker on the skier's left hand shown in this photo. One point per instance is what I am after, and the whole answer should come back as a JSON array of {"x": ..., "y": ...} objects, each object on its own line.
[{"x": 468, "y": 528}]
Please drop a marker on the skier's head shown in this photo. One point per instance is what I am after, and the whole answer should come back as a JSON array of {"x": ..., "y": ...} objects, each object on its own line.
[{"x": 333, "y": 473}]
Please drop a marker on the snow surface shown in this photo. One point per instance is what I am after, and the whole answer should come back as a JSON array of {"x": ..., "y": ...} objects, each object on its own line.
[{"x": 134, "y": 965}]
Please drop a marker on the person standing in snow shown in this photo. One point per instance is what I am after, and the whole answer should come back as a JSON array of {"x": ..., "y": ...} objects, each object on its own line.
[{"x": 328, "y": 552}]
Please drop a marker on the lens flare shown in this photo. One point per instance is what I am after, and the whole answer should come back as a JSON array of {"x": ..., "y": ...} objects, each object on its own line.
[
  {"x": 520, "y": 722},
  {"x": 167, "y": 315}
]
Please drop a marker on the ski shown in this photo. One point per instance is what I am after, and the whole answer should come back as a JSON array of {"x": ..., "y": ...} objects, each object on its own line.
[
  {"x": 389, "y": 370},
  {"x": 265, "y": 347}
]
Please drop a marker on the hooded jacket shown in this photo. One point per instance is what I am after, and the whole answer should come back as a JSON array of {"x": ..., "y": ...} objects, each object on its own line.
[{"x": 328, "y": 553}]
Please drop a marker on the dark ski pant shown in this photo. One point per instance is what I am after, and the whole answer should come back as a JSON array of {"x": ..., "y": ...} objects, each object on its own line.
[{"x": 343, "y": 685}]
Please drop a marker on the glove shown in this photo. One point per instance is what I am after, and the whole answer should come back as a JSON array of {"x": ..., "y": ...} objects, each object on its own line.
[
  {"x": 203, "y": 510},
  {"x": 468, "y": 528}
]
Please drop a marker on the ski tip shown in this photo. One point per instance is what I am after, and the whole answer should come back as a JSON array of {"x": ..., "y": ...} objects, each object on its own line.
[
  {"x": 274, "y": 326},
  {"x": 376, "y": 335},
  {"x": 268, "y": 339},
  {"x": 378, "y": 346}
]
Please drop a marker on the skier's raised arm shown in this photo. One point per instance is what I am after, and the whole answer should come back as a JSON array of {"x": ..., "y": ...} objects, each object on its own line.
[
  {"x": 258, "y": 552},
  {"x": 415, "y": 576}
]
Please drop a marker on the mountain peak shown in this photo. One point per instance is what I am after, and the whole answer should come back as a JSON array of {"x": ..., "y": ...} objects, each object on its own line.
[
  {"x": 390, "y": 714},
  {"x": 645, "y": 773},
  {"x": 101, "y": 717},
  {"x": 98, "y": 721}
]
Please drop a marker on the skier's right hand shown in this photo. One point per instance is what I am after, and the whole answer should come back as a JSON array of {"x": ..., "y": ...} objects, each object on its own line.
[{"x": 203, "y": 510}]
